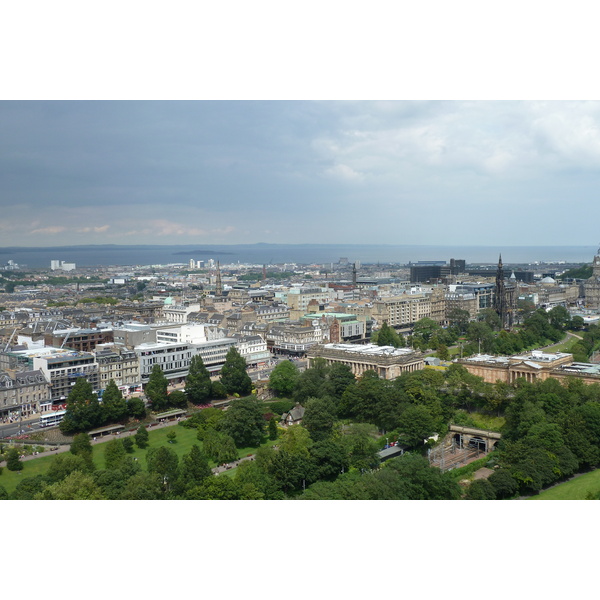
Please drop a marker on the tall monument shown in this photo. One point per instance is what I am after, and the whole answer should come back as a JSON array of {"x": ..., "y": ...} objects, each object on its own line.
[
  {"x": 218, "y": 284},
  {"x": 591, "y": 286},
  {"x": 504, "y": 298}
]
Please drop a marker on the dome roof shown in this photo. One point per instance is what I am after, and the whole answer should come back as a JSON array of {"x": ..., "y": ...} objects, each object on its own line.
[{"x": 548, "y": 280}]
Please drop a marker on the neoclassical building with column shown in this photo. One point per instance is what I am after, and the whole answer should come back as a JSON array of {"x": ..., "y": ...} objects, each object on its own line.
[
  {"x": 531, "y": 366},
  {"x": 388, "y": 362}
]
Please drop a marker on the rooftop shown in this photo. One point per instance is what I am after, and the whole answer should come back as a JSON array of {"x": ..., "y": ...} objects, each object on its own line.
[{"x": 370, "y": 349}]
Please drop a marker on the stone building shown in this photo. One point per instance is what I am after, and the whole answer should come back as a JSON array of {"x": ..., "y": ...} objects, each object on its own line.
[
  {"x": 401, "y": 311},
  {"x": 591, "y": 287},
  {"x": 388, "y": 362},
  {"x": 63, "y": 367},
  {"x": 119, "y": 364},
  {"x": 531, "y": 366},
  {"x": 23, "y": 394},
  {"x": 295, "y": 338}
]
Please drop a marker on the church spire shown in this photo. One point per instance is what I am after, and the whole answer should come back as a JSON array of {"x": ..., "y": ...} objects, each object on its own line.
[{"x": 218, "y": 284}]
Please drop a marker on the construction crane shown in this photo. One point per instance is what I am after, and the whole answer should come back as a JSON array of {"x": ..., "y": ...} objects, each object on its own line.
[
  {"x": 65, "y": 340},
  {"x": 10, "y": 338}
]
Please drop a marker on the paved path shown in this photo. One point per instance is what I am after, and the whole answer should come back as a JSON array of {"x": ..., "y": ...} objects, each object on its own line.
[{"x": 107, "y": 438}]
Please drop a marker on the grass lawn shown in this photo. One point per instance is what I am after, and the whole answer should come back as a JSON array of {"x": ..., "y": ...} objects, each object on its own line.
[
  {"x": 487, "y": 422},
  {"x": 186, "y": 438},
  {"x": 467, "y": 471},
  {"x": 10, "y": 479},
  {"x": 565, "y": 345},
  {"x": 575, "y": 489}
]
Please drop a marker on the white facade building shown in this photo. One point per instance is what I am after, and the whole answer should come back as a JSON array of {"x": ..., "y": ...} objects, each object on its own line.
[{"x": 194, "y": 333}]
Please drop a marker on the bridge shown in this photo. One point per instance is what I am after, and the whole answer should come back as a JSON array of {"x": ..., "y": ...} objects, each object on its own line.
[
  {"x": 461, "y": 446},
  {"x": 483, "y": 439}
]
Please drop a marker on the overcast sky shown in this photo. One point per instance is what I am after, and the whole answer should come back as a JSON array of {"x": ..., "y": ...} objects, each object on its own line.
[{"x": 406, "y": 172}]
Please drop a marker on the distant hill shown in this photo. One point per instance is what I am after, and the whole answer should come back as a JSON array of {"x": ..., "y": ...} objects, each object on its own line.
[{"x": 583, "y": 272}]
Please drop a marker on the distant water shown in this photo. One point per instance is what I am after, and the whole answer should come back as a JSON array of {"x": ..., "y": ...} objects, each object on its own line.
[{"x": 90, "y": 256}]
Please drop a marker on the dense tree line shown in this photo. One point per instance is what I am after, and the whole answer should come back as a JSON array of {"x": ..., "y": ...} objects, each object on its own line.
[
  {"x": 552, "y": 431},
  {"x": 85, "y": 411},
  {"x": 590, "y": 343},
  {"x": 582, "y": 272},
  {"x": 537, "y": 328}
]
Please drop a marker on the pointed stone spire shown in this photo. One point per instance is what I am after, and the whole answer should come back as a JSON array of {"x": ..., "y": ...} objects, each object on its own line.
[{"x": 218, "y": 284}]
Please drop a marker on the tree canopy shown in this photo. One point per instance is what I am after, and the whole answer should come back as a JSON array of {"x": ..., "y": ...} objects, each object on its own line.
[
  {"x": 198, "y": 385},
  {"x": 234, "y": 377}
]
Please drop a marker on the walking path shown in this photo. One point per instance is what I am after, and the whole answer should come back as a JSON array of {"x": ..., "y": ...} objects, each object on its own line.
[{"x": 59, "y": 449}]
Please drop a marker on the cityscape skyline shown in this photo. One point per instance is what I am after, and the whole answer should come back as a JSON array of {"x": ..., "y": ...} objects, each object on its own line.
[{"x": 242, "y": 172}]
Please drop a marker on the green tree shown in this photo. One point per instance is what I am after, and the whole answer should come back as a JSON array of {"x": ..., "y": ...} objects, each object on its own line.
[
  {"x": 193, "y": 469},
  {"x": 296, "y": 440},
  {"x": 143, "y": 486},
  {"x": 216, "y": 488},
  {"x": 219, "y": 446},
  {"x": 252, "y": 472},
  {"x": 234, "y": 377},
  {"x": 81, "y": 445},
  {"x": 480, "y": 489},
  {"x": 273, "y": 432},
  {"x": 65, "y": 464},
  {"x": 319, "y": 417},
  {"x": 112, "y": 483},
  {"x": 283, "y": 378},
  {"x": 142, "y": 437},
  {"x": 13, "y": 462},
  {"x": 178, "y": 399},
  {"x": 244, "y": 422},
  {"x": 136, "y": 408},
  {"x": 114, "y": 453},
  {"x": 210, "y": 417},
  {"x": 114, "y": 405},
  {"x": 75, "y": 486},
  {"x": 29, "y": 487},
  {"x": 361, "y": 447},
  {"x": 559, "y": 318},
  {"x": 218, "y": 390},
  {"x": 577, "y": 323},
  {"x": 425, "y": 329},
  {"x": 387, "y": 336},
  {"x": 163, "y": 461},
  {"x": 198, "y": 386},
  {"x": 480, "y": 333},
  {"x": 3, "y": 493},
  {"x": 442, "y": 352},
  {"x": 311, "y": 384},
  {"x": 504, "y": 484},
  {"x": 490, "y": 317},
  {"x": 459, "y": 318},
  {"x": 83, "y": 409},
  {"x": 410, "y": 477},
  {"x": 416, "y": 424},
  {"x": 330, "y": 459},
  {"x": 156, "y": 389},
  {"x": 291, "y": 471},
  {"x": 128, "y": 444},
  {"x": 172, "y": 436},
  {"x": 339, "y": 379}
]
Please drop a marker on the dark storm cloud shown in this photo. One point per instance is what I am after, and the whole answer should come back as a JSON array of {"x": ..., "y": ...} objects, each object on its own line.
[{"x": 294, "y": 171}]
